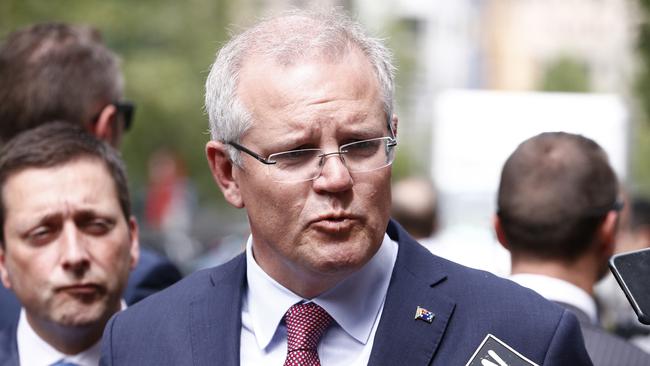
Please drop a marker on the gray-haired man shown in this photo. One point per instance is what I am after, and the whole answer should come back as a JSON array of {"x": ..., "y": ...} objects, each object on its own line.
[{"x": 304, "y": 135}]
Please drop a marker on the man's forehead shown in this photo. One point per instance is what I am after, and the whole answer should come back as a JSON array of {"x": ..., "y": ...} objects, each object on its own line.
[
  {"x": 307, "y": 75},
  {"x": 86, "y": 180},
  {"x": 295, "y": 55}
]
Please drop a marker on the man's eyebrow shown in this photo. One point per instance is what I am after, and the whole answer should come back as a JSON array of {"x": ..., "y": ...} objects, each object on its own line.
[
  {"x": 24, "y": 226},
  {"x": 47, "y": 217},
  {"x": 90, "y": 213}
]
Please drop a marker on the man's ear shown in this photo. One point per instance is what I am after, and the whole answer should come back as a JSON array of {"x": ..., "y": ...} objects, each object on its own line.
[
  {"x": 222, "y": 171},
  {"x": 393, "y": 122},
  {"x": 4, "y": 274},
  {"x": 135, "y": 241},
  {"x": 498, "y": 229},
  {"x": 105, "y": 127},
  {"x": 606, "y": 235}
]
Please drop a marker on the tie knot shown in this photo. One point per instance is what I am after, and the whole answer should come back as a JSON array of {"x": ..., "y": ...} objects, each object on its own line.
[{"x": 306, "y": 323}]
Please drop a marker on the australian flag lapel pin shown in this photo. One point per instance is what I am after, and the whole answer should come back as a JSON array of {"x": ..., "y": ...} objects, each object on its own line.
[{"x": 424, "y": 314}]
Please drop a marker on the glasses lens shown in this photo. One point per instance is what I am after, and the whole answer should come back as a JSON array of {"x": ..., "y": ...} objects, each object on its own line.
[
  {"x": 369, "y": 155},
  {"x": 303, "y": 165},
  {"x": 295, "y": 166}
]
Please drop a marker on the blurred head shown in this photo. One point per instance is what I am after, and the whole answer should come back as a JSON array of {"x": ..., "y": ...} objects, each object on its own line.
[
  {"x": 55, "y": 71},
  {"x": 556, "y": 191},
  {"x": 415, "y": 206},
  {"x": 634, "y": 233},
  {"x": 640, "y": 214},
  {"x": 304, "y": 81},
  {"x": 68, "y": 239}
]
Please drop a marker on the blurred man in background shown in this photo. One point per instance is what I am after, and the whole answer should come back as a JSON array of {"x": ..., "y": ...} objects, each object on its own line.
[
  {"x": 415, "y": 207},
  {"x": 57, "y": 71},
  {"x": 68, "y": 243},
  {"x": 557, "y": 215}
]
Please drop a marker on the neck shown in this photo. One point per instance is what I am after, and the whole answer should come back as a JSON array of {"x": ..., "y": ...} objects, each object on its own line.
[
  {"x": 70, "y": 340},
  {"x": 308, "y": 285},
  {"x": 580, "y": 272}
]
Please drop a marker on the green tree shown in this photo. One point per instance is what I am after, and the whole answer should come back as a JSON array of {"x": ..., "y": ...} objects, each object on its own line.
[
  {"x": 641, "y": 135},
  {"x": 566, "y": 74}
]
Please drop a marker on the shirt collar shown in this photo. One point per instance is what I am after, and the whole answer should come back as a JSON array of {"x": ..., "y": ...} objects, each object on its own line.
[
  {"x": 33, "y": 350},
  {"x": 355, "y": 303},
  {"x": 558, "y": 290}
]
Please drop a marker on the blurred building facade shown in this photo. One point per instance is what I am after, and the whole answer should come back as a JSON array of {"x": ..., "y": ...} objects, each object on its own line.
[
  {"x": 524, "y": 37},
  {"x": 506, "y": 44}
]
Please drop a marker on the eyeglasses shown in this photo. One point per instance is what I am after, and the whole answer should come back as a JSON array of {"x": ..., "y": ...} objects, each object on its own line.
[
  {"x": 124, "y": 108},
  {"x": 306, "y": 164},
  {"x": 127, "y": 109}
]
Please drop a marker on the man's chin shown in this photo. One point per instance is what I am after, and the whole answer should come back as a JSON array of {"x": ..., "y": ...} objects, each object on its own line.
[{"x": 81, "y": 316}]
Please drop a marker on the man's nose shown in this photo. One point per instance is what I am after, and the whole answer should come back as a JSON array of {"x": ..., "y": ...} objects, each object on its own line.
[
  {"x": 74, "y": 253},
  {"x": 334, "y": 175}
]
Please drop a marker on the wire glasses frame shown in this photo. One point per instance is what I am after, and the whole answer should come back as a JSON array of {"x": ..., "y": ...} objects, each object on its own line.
[{"x": 306, "y": 164}]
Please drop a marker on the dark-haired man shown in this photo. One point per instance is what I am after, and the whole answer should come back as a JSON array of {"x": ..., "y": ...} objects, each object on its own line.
[
  {"x": 68, "y": 243},
  {"x": 56, "y": 71},
  {"x": 557, "y": 215}
]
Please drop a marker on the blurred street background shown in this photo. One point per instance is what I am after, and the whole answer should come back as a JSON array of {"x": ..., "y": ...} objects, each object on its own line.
[{"x": 476, "y": 77}]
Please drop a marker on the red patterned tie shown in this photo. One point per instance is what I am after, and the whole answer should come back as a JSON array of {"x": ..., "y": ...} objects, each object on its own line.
[{"x": 306, "y": 323}]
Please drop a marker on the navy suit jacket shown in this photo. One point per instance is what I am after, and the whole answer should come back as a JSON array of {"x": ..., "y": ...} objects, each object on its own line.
[
  {"x": 605, "y": 348},
  {"x": 198, "y": 320},
  {"x": 8, "y": 345},
  {"x": 152, "y": 274}
]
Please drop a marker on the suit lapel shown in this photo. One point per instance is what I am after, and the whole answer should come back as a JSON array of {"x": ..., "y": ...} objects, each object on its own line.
[
  {"x": 215, "y": 319},
  {"x": 401, "y": 339},
  {"x": 8, "y": 346}
]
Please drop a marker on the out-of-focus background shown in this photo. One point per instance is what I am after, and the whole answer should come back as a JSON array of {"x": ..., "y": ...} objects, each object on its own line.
[{"x": 476, "y": 77}]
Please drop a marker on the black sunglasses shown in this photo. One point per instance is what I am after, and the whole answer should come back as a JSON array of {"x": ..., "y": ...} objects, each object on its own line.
[{"x": 127, "y": 109}]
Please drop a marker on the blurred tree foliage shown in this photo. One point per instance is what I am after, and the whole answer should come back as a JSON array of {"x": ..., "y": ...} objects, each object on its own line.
[
  {"x": 166, "y": 48},
  {"x": 641, "y": 137},
  {"x": 566, "y": 74},
  {"x": 412, "y": 155}
]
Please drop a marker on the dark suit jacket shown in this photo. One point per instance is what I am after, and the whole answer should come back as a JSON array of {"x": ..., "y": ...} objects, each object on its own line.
[
  {"x": 198, "y": 320},
  {"x": 8, "y": 346},
  {"x": 152, "y": 273},
  {"x": 9, "y": 307},
  {"x": 606, "y": 349}
]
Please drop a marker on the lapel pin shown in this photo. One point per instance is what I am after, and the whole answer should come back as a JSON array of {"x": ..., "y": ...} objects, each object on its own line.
[{"x": 424, "y": 314}]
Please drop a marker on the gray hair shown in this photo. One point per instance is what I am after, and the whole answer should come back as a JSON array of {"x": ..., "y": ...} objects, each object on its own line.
[{"x": 292, "y": 36}]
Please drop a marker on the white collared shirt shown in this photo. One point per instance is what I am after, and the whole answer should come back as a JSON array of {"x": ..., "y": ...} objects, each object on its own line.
[
  {"x": 355, "y": 304},
  {"x": 555, "y": 289},
  {"x": 34, "y": 351}
]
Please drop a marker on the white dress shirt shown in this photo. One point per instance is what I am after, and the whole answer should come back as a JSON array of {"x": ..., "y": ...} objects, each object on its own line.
[
  {"x": 34, "y": 351},
  {"x": 355, "y": 304},
  {"x": 555, "y": 289}
]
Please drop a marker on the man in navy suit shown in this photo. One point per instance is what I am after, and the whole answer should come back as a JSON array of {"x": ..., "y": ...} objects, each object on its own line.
[
  {"x": 558, "y": 213},
  {"x": 68, "y": 243},
  {"x": 58, "y": 71},
  {"x": 303, "y": 138}
]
